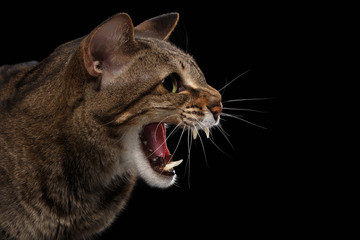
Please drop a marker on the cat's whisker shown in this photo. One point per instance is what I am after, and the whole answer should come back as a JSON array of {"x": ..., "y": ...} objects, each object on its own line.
[
  {"x": 187, "y": 166},
  {"x": 211, "y": 138},
  {"x": 243, "y": 109},
  {"x": 227, "y": 84},
  {"x": 226, "y": 135},
  {"x": 245, "y": 99},
  {"x": 222, "y": 92},
  {"x": 243, "y": 120},
  {"x": 174, "y": 152},
  {"x": 212, "y": 141},
  {"x": 222, "y": 130},
  {"x": 201, "y": 141},
  {"x": 170, "y": 134},
  {"x": 163, "y": 120}
]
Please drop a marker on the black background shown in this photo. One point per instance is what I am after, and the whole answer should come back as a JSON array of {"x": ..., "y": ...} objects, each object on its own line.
[{"x": 253, "y": 190}]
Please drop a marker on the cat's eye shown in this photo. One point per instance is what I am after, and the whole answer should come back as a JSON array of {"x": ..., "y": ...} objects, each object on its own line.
[{"x": 171, "y": 82}]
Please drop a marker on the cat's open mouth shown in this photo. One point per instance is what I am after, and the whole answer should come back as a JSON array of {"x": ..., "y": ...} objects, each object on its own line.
[{"x": 153, "y": 138}]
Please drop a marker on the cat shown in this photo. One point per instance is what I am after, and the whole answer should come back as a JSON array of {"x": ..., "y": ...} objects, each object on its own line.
[{"x": 80, "y": 127}]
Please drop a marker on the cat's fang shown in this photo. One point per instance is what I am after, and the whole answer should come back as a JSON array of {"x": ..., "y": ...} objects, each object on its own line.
[
  {"x": 207, "y": 132},
  {"x": 173, "y": 164},
  {"x": 194, "y": 133}
]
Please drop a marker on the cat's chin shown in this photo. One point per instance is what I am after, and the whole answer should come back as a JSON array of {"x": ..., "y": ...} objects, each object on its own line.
[{"x": 155, "y": 171}]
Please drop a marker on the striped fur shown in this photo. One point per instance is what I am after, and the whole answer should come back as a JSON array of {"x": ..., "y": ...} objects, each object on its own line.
[{"x": 69, "y": 125}]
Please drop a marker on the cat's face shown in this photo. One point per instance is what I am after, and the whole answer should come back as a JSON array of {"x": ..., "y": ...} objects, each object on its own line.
[{"x": 146, "y": 82}]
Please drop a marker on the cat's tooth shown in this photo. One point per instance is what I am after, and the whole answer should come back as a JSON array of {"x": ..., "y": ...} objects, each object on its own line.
[
  {"x": 173, "y": 164},
  {"x": 207, "y": 132},
  {"x": 194, "y": 133}
]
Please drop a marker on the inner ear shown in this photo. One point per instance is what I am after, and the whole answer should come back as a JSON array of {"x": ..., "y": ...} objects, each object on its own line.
[
  {"x": 159, "y": 27},
  {"x": 109, "y": 45}
]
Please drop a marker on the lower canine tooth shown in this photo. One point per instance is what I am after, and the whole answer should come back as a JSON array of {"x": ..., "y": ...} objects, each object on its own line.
[{"x": 171, "y": 165}]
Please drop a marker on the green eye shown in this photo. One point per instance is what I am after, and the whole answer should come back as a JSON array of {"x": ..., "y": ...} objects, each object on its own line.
[{"x": 170, "y": 83}]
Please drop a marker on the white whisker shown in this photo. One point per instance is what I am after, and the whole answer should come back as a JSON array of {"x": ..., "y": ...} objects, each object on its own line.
[
  {"x": 241, "y": 119},
  {"x": 234, "y": 80},
  {"x": 245, "y": 99},
  {"x": 164, "y": 120},
  {"x": 219, "y": 147},
  {"x": 187, "y": 167},
  {"x": 224, "y": 88},
  {"x": 202, "y": 144},
  {"x": 243, "y": 109},
  {"x": 178, "y": 143},
  {"x": 225, "y": 134},
  {"x": 164, "y": 140}
]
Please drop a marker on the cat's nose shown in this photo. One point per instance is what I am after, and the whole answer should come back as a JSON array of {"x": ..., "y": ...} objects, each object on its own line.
[{"x": 215, "y": 110}]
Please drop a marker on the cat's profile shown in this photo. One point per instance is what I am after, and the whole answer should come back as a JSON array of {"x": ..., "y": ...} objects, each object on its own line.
[{"x": 78, "y": 128}]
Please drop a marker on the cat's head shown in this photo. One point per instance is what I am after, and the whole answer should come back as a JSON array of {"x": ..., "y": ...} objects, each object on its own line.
[{"x": 145, "y": 82}]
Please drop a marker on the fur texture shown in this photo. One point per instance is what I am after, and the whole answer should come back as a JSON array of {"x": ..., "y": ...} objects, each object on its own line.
[{"x": 70, "y": 151}]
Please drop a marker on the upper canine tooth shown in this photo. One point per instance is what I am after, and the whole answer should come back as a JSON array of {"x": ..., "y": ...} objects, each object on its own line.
[
  {"x": 207, "y": 131},
  {"x": 171, "y": 165},
  {"x": 194, "y": 133}
]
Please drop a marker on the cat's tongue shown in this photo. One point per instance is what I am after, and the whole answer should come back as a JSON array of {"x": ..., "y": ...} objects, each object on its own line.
[{"x": 155, "y": 135}]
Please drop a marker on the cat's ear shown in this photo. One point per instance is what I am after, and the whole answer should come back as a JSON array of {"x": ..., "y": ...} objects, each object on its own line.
[
  {"x": 159, "y": 27},
  {"x": 109, "y": 46}
]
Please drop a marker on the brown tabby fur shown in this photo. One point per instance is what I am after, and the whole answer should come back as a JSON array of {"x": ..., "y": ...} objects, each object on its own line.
[{"x": 62, "y": 120}]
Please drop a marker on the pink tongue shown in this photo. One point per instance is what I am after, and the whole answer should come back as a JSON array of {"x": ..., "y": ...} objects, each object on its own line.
[{"x": 155, "y": 135}]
